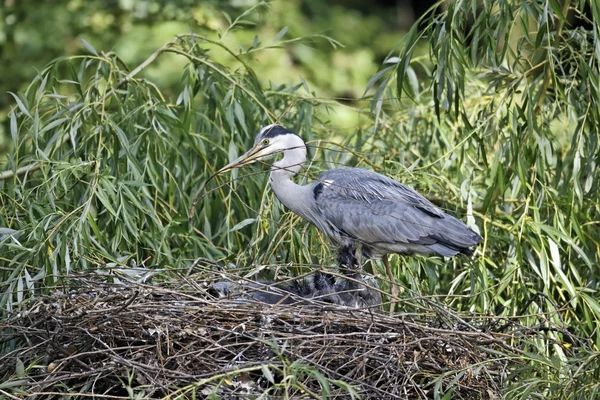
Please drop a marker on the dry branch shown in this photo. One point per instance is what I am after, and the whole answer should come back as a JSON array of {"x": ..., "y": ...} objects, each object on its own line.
[{"x": 175, "y": 338}]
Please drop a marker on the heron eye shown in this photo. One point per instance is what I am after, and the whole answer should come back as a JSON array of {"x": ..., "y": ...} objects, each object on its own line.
[{"x": 265, "y": 142}]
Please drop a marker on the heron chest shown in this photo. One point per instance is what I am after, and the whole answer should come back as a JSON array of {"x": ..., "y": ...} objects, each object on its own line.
[{"x": 323, "y": 223}]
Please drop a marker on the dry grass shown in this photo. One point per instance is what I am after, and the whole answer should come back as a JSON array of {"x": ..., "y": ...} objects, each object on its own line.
[{"x": 176, "y": 339}]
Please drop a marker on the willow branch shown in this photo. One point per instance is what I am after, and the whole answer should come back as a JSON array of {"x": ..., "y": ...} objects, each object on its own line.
[
  {"x": 37, "y": 164},
  {"x": 548, "y": 69},
  {"x": 20, "y": 171}
]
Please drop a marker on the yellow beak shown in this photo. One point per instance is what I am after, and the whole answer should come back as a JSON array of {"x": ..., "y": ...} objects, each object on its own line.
[{"x": 249, "y": 157}]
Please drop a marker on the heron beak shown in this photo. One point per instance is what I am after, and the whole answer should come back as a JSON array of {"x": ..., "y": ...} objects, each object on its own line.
[{"x": 249, "y": 157}]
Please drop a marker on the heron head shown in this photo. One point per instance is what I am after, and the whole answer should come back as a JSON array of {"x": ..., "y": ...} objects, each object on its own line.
[{"x": 271, "y": 140}]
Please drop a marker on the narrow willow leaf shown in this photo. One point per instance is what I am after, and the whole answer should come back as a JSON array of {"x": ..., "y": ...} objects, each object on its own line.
[
  {"x": 7, "y": 232},
  {"x": 19, "y": 367},
  {"x": 556, "y": 233},
  {"x": 392, "y": 60},
  {"x": 239, "y": 114},
  {"x": 592, "y": 303},
  {"x": 13, "y": 383},
  {"x": 413, "y": 83},
  {"x": 323, "y": 383},
  {"x": 378, "y": 100},
  {"x": 28, "y": 281},
  {"x": 554, "y": 253},
  {"x": 106, "y": 202},
  {"x": 242, "y": 224},
  {"x": 20, "y": 289},
  {"x": 228, "y": 18},
  {"x": 53, "y": 125},
  {"x": 375, "y": 78},
  {"x": 56, "y": 96},
  {"x": 557, "y": 8},
  {"x": 280, "y": 34},
  {"x": 67, "y": 259},
  {"x": 409, "y": 42},
  {"x": 267, "y": 373},
  {"x": 89, "y": 47},
  {"x": 136, "y": 183},
  {"x": 13, "y": 128},
  {"x": 20, "y": 104},
  {"x": 40, "y": 91},
  {"x": 232, "y": 151}
]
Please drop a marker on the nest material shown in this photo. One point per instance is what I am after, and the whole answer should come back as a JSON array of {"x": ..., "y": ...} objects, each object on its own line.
[{"x": 178, "y": 340}]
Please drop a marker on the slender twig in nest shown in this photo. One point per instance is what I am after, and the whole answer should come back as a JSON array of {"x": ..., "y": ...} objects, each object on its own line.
[{"x": 176, "y": 339}]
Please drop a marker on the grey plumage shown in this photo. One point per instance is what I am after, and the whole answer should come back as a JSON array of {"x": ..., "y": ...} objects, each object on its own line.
[
  {"x": 357, "y": 208},
  {"x": 386, "y": 216},
  {"x": 365, "y": 213}
]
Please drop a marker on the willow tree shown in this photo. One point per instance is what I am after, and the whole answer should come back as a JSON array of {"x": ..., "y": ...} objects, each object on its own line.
[
  {"x": 504, "y": 108},
  {"x": 488, "y": 107}
]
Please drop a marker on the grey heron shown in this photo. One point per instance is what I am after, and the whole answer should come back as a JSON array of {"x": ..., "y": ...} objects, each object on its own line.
[{"x": 367, "y": 214}]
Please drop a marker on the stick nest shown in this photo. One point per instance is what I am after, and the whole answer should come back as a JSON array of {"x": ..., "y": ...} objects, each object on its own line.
[{"x": 178, "y": 340}]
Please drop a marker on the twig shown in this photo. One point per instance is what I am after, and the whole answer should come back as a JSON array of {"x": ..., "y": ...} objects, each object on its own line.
[
  {"x": 20, "y": 171},
  {"x": 176, "y": 335}
]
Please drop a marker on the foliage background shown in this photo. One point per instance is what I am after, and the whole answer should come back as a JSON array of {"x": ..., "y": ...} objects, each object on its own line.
[{"x": 489, "y": 109}]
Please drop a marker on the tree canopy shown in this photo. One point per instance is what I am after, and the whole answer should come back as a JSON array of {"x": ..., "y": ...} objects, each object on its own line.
[{"x": 489, "y": 108}]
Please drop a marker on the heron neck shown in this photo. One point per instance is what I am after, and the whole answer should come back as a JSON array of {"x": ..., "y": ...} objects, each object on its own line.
[
  {"x": 293, "y": 196},
  {"x": 290, "y": 164}
]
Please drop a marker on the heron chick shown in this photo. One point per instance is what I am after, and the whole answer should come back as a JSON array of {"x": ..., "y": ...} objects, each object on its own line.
[
  {"x": 365, "y": 213},
  {"x": 359, "y": 292}
]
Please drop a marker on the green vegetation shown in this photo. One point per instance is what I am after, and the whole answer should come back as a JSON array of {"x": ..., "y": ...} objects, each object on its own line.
[{"x": 491, "y": 109}]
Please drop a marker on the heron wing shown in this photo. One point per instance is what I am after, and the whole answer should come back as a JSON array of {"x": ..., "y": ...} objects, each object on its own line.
[{"x": 378, "y": 211}]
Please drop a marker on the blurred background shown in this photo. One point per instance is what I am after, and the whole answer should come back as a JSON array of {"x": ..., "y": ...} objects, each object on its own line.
[{"x": 33, "y": 33}]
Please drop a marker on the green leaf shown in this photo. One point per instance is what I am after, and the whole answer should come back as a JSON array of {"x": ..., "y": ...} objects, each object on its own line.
[
  {"x": 233, "y": 153},
  {"x": 89, "y": 47},
  {"x": 13, "y": 383},
  {"x": 106, "y": 202},
  {"x": 14, "y": 133},
  {"x": 20, "y": 105},
  {"x": 242, "y": 224},
  {"x": 6, "y": 232},
  {"x": 19, "y": 367},
  {"x": 52, "y": 125},
  {"x": 375, "y": 78},
  {"x": 409, "y": 43},
  {"x": 267, "y": 373},
  {"x": 280, "y": 34},
  {"x": 592, "y": 304}
]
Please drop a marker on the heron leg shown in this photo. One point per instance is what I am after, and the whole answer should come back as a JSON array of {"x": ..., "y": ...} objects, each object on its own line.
[{"x": 392, "y": 279}]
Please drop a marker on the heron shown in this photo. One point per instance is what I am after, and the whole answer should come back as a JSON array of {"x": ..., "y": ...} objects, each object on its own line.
[{"x": 366, "y": 214}]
